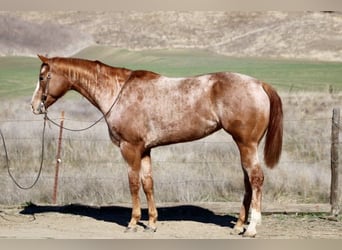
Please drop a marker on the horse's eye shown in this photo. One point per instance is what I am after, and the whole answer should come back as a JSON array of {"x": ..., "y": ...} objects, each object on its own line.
[{"x": 41, "y": 78}]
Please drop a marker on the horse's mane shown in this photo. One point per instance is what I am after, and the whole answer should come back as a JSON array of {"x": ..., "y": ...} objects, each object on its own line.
[{"x": 82, "y": 68}]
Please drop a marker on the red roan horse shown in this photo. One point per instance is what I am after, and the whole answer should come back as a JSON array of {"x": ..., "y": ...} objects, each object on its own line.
[{"x": 144, "y": 110}]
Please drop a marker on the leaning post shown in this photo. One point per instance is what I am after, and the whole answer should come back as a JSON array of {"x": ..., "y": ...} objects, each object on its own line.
[
  {"x": 58, "y": 158},
  {"x": 334, "y": 195}
]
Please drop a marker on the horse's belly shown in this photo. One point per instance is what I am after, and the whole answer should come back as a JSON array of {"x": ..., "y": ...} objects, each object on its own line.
[{"x": 180, "y": 131}]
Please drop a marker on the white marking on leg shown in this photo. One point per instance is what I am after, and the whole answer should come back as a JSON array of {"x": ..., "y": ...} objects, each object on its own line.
[
  {"x": 255, "y": 220},
  {"x": 256, "y": 216}
]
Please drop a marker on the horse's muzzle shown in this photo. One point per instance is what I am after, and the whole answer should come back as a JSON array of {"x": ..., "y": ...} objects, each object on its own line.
[{"x": 38, "y": 110}]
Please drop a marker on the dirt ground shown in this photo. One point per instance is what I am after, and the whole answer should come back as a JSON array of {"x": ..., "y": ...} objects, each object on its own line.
[{"x": 195, "y": 221}]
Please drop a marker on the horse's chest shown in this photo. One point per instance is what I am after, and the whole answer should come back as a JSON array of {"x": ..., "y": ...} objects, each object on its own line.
[{"x": 114, "y": 136}]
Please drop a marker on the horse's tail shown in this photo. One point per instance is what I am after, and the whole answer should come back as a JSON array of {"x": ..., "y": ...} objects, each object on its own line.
[{"x": 274, "y": 135}]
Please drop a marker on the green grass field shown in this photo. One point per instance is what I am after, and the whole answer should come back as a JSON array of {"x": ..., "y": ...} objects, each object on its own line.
[{"x": 18, "y": 75}]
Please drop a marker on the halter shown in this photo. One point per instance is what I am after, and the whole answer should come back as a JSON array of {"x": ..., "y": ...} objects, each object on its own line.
[{"x": 46, "y": 92}]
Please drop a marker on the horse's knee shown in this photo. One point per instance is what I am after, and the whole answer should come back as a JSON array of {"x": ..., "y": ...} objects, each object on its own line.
[
  {"x": 148, "y": 185},
  {"x": 134, "y": 182},
  {"x": 146, "y": 174}
]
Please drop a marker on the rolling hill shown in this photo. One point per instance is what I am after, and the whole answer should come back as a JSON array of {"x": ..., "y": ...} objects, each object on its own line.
[{"x": 272, "y": 34}]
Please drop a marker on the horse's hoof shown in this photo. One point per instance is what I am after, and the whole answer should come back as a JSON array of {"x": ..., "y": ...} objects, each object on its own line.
[
  {"x": 149, "y": 229},
  {"x": 237, "y": 231},
  {"x": 131, "y": 229},
  {"x": 249, "y": 234}
]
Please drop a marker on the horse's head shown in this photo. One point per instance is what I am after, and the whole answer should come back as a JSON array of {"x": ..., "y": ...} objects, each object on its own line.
[{"x": 50, "y": 87}]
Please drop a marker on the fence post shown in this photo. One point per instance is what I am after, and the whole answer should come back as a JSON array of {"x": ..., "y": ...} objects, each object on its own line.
[
  {"x": 58, "y": 158},
  {"x": 335, "y": 128}
]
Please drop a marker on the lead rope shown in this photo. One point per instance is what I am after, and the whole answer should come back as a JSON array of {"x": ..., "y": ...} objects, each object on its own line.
[
  {"x": 41, "y": 161},
  {"x": 93, "y": 124},
  {"x": 43, "y": 140},
  {"x": 71, "y": 129}
]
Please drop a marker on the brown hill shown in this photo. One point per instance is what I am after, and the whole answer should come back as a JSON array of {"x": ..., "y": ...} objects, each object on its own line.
[{"x": 304, "y": 35}]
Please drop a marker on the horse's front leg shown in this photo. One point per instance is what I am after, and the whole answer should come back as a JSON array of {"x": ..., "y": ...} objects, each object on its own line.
[
  {"x": 147, "y": 181},
  {"x": 132, "y": 155}
]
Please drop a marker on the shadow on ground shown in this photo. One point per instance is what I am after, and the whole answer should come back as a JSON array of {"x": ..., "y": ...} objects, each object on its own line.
[{"x": 121, "y": 215}]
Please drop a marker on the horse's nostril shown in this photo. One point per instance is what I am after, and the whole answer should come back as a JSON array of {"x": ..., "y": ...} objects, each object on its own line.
[{"x": 34, "y": 110}]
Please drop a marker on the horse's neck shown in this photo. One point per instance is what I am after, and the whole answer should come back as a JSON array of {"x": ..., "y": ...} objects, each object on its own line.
[{"x": 101, "y": 87}]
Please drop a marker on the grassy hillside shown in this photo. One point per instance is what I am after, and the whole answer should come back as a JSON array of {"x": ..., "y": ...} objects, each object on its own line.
[{"x": 18, "y": 75}]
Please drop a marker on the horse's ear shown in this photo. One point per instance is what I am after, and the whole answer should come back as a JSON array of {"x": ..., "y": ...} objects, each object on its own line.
[{"x": 42, "y": 58}]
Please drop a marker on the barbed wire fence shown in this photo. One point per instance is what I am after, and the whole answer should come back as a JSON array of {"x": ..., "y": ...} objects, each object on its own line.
[{"x": 72, "y": 144}]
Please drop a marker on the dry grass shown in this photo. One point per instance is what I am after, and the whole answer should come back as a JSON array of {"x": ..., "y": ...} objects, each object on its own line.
[{"x": 93, "y": 172}]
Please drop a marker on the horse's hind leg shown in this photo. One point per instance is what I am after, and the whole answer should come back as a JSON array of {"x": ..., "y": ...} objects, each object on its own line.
[
  {"x": 147, "y": 181},
  {"x": 243, "y": 215},
  {"x": 254, "y": 178}
]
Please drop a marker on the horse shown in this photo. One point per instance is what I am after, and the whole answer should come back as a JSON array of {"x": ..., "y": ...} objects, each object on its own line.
[{"x": 144, "y": 110}]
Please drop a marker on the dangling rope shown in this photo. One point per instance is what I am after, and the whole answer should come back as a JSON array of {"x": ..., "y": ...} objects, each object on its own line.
[
  {"x": 43, "y": 141},
  {"x": 41, "y": 161},
  {"x": 71, "y": 129},
  {"x": 94, "y": 123}
]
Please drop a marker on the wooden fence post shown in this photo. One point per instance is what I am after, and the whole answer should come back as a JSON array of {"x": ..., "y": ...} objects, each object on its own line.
[
  {"x": 334, "y": 195},
  {"x": 58, "y": 158}
]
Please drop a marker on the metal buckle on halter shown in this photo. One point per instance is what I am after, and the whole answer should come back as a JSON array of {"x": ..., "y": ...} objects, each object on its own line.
[
  {"x": 42, "y": 104},
  {"x": 42, "y": 108}
]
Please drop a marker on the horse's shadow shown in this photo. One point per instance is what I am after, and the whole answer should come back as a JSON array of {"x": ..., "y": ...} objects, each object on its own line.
[{"x": 121, "y": 215}]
